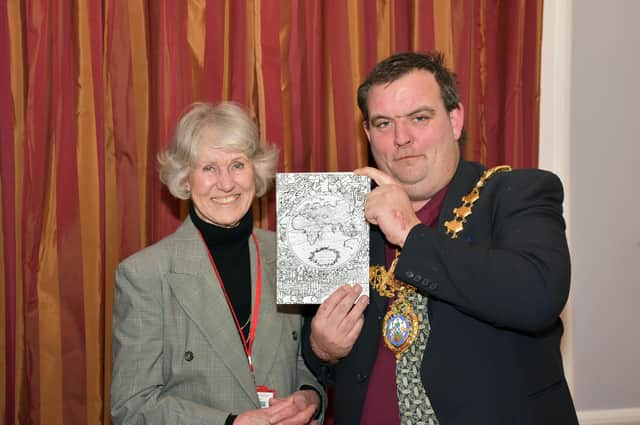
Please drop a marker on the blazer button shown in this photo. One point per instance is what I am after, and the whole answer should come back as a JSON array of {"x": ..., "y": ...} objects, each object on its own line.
[
  {"x": 361, "y": 377},
  {"x": 433, "y": 286},
  {"x": 188, "y": 356},
  {"x": 294, "y": 335},
  {"x": 409, "y": 274}
]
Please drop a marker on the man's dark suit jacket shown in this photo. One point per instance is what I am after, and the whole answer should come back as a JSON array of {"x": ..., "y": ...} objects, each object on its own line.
[{"x": 495, "y": 296}]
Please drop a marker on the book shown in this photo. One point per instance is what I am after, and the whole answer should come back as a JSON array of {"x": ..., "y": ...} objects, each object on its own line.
[{"x": 322, "y": 235}]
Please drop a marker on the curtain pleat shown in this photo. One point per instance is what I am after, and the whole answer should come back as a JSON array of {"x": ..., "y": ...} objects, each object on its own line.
[
  {"x": 11, "y": 296},
  {"x": 90, "y": 171},
  {"x": 90, "y": 92}
]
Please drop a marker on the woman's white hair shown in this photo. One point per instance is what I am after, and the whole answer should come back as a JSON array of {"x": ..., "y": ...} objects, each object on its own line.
[{"x": 235, "y": 131}]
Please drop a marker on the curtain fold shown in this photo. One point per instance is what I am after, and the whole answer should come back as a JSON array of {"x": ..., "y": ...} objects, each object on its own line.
[{"x": 90, "y": 92}]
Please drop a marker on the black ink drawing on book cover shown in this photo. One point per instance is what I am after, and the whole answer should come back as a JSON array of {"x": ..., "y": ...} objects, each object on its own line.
[{"x": 322, "y": 235}]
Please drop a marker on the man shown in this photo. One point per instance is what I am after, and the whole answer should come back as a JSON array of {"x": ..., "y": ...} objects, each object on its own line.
[{"x": 470, "y": 271}]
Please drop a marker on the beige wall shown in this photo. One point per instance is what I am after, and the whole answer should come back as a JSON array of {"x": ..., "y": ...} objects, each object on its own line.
[
  {"x": 605, "y": 203},
  {"x": 590, "y": 135}
]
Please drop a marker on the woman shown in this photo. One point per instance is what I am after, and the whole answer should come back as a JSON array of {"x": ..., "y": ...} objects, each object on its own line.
[{"x": 196, "y": 335}]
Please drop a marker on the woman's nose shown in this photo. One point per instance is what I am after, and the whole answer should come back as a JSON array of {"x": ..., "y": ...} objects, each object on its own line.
[{"x": 225, "y": 181}]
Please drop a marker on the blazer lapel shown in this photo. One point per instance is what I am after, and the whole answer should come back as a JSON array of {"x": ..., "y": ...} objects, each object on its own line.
[
  {"x": 378, "y": 257},
  {"x": 269, "y": 330},
  {"x": 198, "y": 291},
  {"x": 465, "y": 177}
]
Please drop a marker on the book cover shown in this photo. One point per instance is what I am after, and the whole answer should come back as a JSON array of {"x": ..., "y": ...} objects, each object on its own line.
[{"x": 322, "y": 235}]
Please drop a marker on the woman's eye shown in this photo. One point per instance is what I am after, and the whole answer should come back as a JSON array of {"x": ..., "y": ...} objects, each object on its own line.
[
  {"x": 208, "y": 168},
  {"x": 238, "y": 165}
]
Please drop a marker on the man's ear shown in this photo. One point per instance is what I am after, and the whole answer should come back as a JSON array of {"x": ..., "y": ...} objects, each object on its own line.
[
  {"x": 456, "y": 117},
  {"x": 365, "y": 126}
]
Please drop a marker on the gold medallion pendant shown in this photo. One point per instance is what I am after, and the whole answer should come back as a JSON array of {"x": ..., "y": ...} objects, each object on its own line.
[{"x": 400, "y": 324}]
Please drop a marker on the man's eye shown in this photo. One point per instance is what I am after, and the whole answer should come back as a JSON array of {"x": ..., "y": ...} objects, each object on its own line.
[
  {"x": 421, "y": 118},
  {"x": 381, "y": 124}
]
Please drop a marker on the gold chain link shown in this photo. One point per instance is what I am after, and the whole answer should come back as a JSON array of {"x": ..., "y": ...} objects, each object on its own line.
[
  {"x": 462, "y": 213},
  {"x": 384, "y": 281}
]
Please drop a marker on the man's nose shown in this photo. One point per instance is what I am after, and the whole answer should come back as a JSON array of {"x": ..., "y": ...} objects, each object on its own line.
[{"x": 402, "y": 135}]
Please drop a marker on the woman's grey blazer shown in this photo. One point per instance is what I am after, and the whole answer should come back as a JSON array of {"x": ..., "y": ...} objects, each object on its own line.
[{"x": 177, "y": 355}]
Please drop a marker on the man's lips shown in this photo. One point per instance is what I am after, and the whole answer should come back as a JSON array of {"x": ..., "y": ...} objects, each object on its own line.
[{"x": 406, "y": 157}]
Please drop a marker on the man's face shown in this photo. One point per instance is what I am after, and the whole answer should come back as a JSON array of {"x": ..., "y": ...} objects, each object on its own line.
[{"x": 413, "y": 137}]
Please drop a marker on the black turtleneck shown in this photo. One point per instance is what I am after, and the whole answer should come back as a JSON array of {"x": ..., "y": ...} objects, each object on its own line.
[{"x": 229, "y": 248}]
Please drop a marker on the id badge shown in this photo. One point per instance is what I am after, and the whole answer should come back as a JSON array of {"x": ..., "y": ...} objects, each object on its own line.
[{"x": 264, "y": 395}]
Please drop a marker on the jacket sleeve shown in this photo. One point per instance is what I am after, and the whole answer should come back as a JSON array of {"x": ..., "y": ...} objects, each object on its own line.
[
  {"x": 323, "y": 371},
  {"x": 307, "y": 380},
  {"x": 510, "y": 266},
  {"x": 137, "y": 385}
]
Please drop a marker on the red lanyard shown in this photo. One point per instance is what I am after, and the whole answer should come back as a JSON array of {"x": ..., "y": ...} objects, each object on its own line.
[{"x": 247, "y": 343}]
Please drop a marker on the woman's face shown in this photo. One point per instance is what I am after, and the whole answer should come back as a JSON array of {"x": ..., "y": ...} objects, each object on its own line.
[{"x": 222, "y": 184}]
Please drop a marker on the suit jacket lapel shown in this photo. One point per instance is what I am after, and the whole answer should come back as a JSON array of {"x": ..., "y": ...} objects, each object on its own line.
[
  {"x": 197, "y": 289},
  {"x": 268, "y": 333},
  {"x": 466, "y": 175},
  {"x": 378, "y": 257}
]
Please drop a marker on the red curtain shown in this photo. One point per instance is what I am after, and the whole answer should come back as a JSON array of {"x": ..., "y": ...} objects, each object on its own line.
[{"x": 90, "y": 92}]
